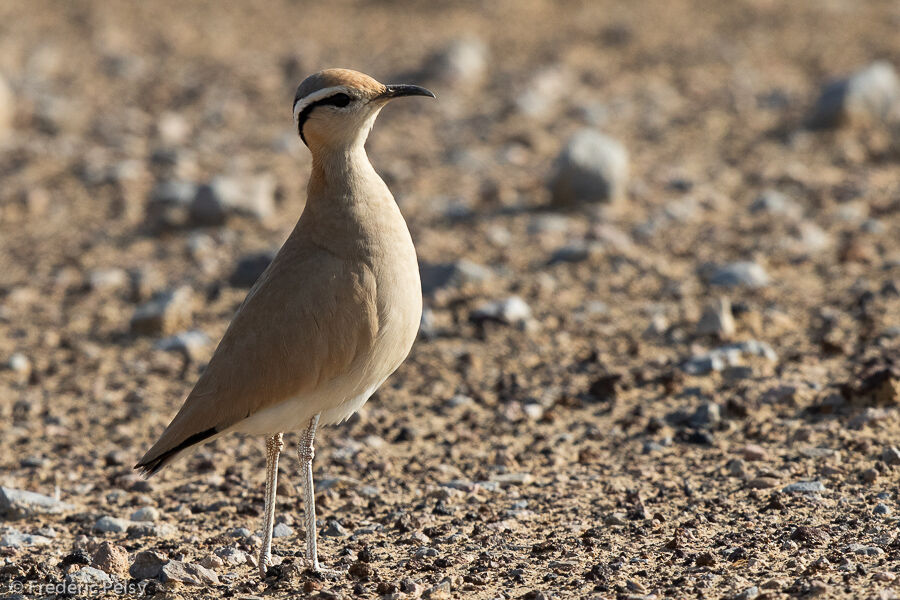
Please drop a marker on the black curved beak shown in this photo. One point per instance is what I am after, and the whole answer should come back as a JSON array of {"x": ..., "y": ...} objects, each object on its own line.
[{"x": 397, "y": 90}]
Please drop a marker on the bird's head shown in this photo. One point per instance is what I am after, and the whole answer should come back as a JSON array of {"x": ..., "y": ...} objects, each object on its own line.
[{"x": 336, "y": 108}]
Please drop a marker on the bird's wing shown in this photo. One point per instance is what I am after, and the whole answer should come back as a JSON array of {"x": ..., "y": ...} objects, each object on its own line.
[{"x": 307, "y": 320}]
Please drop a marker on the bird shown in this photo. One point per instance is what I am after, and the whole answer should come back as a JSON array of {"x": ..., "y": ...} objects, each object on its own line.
[{"x": 333, "y": 315}]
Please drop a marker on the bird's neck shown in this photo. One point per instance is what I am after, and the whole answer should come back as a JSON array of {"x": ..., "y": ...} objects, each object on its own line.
[
  {"x": 345, "y": 196},
  {"x": 338, "y": 170}
]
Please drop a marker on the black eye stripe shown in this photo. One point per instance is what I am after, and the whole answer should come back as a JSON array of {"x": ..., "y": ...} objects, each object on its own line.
[
  {"x": 336, "y": 100},
  {"x": 340, "y": 100}
]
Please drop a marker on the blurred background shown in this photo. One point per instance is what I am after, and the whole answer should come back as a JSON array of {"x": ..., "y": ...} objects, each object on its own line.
[{"x": 660, "y": 251}]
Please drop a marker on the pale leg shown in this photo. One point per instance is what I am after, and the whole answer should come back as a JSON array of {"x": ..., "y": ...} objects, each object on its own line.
[
  {"x": 273, "y": 449},
  {"x": 306, "y": 453}
]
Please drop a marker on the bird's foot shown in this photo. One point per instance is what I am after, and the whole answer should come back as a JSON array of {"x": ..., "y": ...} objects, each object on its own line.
[
  {"x": 317, "y": 568},
  {"x": 263, "y": 567},
  {"x": 267, "y": 561}
]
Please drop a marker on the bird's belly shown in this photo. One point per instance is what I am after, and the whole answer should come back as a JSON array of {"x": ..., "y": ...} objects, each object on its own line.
[{"x": 335, "y": 401}]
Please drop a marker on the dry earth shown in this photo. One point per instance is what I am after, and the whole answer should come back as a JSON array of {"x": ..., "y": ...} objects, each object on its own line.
[{"x": 573, "y": 447}]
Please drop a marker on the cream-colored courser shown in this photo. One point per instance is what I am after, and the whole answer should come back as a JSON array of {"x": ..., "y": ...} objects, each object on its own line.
[{"x": 333, "y": 315}]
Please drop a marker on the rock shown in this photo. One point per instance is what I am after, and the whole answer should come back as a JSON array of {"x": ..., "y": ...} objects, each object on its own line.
[
  {"x": 882, "y": 509},
  {"x": 107, "y": 524},
  {"x": 509, "y": 311},
  {"x": 191, "y": 344},
  {"x": 591, "y": 168},
  {"x": 749, "y": 593},
  {"x": 13, "y": 538},
  {"x": 76, "y": 557},
  {"x": 436, "y": 276},
  {"x": 159, "y": 530},
  {"x": 165, "y": 314},
  {"x": 754, "y": 452},
  {"x": 658, "y": 326},
  {"x": 717, "y": 320},
  {"x": 773, "y": 584},
  {"x": 817, "y": 587},
  {"x": 804, "y": 487},
  {"x": 147, "y": 565},
  {"x": 736, "y": 468},
  {"x": 189, "y": 573},
  {"x": 462, "y": 61},
  {"x": 773, "y": 202},
  {"x": 511, "y": 479},
  {"x": 335, "y": 529},
  {"x": 463, "y": 485},
  {"x": 543, "y": 91},
  {"x": 282, "y": 530},
  {"x": 108, "y": 280},
  {"x": 425, "y": 552},
  {"x": 707, "y": 415},
  {"x": 869, "y": 475},
  {"x": 810, "y": 535},
  {"x": 438, "y": 592},
  {"x": 575, "y": 252},
  {"x": 145, "y": 282},
  {"x": 743, "y": 273},
  {"x": 762, "y": 483},
  {"x": 890, "y": 455},
  {"x": 864, "y": 550},
  {"x": 871, "y": 94},
  {"x": 249, "y": 268},
  {"x": 239, "y": 532},
  {"x": 551, "y": 224},
  {"x": 175, "y": 164},
  {"x": 111, "y": 558},
  {"x": 87, "y": 578},
  {"x": 212, "y": 562},
  {"x": 233, "y": 556},
  {"x": 730, "y": 355},
  {"x": 810, "y": 238},
  {"x": 47, "y": 532},
  {"x": 867, "y": 417},
  {"x": 250, "y": 196},
  {"x": 19, "y": 364},
  {"x": 631, "y": 585},
  {"x": 168, "y": 206},
  {"x": 145, "y": 514},
  {"x": 172, "y": 128},
  {"x": 616, "y": 519},
  {"x": 19, "y": 504}
]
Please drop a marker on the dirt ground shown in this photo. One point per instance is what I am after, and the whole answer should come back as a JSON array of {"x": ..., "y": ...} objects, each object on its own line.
[{"x": 588, "y": 447}]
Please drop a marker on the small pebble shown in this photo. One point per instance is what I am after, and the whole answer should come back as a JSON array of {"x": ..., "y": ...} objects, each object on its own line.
[
  {"x": 145, "y": 513},
  {"x": 746, "y": 274},
  {"x": 804, "y": 487},
  {"x": 335, "y": 529},
  {"x": 882, "y": 509},
  {"x": 591, "y": 168},
  {"x": 754, "y": 452},
  {"x": 107, "y": 524},
  {"x": 869, "y": 475}
]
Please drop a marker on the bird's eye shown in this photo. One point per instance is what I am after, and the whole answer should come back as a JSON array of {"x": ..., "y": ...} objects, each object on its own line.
[{"x": 337, "y": 100}]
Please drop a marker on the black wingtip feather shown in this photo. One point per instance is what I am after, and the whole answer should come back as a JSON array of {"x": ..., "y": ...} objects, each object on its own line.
[{"x": 149, "y": 467}]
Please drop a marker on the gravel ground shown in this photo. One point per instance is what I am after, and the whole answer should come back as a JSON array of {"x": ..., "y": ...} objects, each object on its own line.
[{"x": 661, "y": 350}]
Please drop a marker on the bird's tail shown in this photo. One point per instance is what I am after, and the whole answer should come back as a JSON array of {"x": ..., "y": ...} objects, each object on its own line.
[{"x": 164, "y": 452}]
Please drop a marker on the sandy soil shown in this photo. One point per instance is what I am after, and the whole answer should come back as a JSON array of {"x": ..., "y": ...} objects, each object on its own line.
[{"x": 574, "y": 453}]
